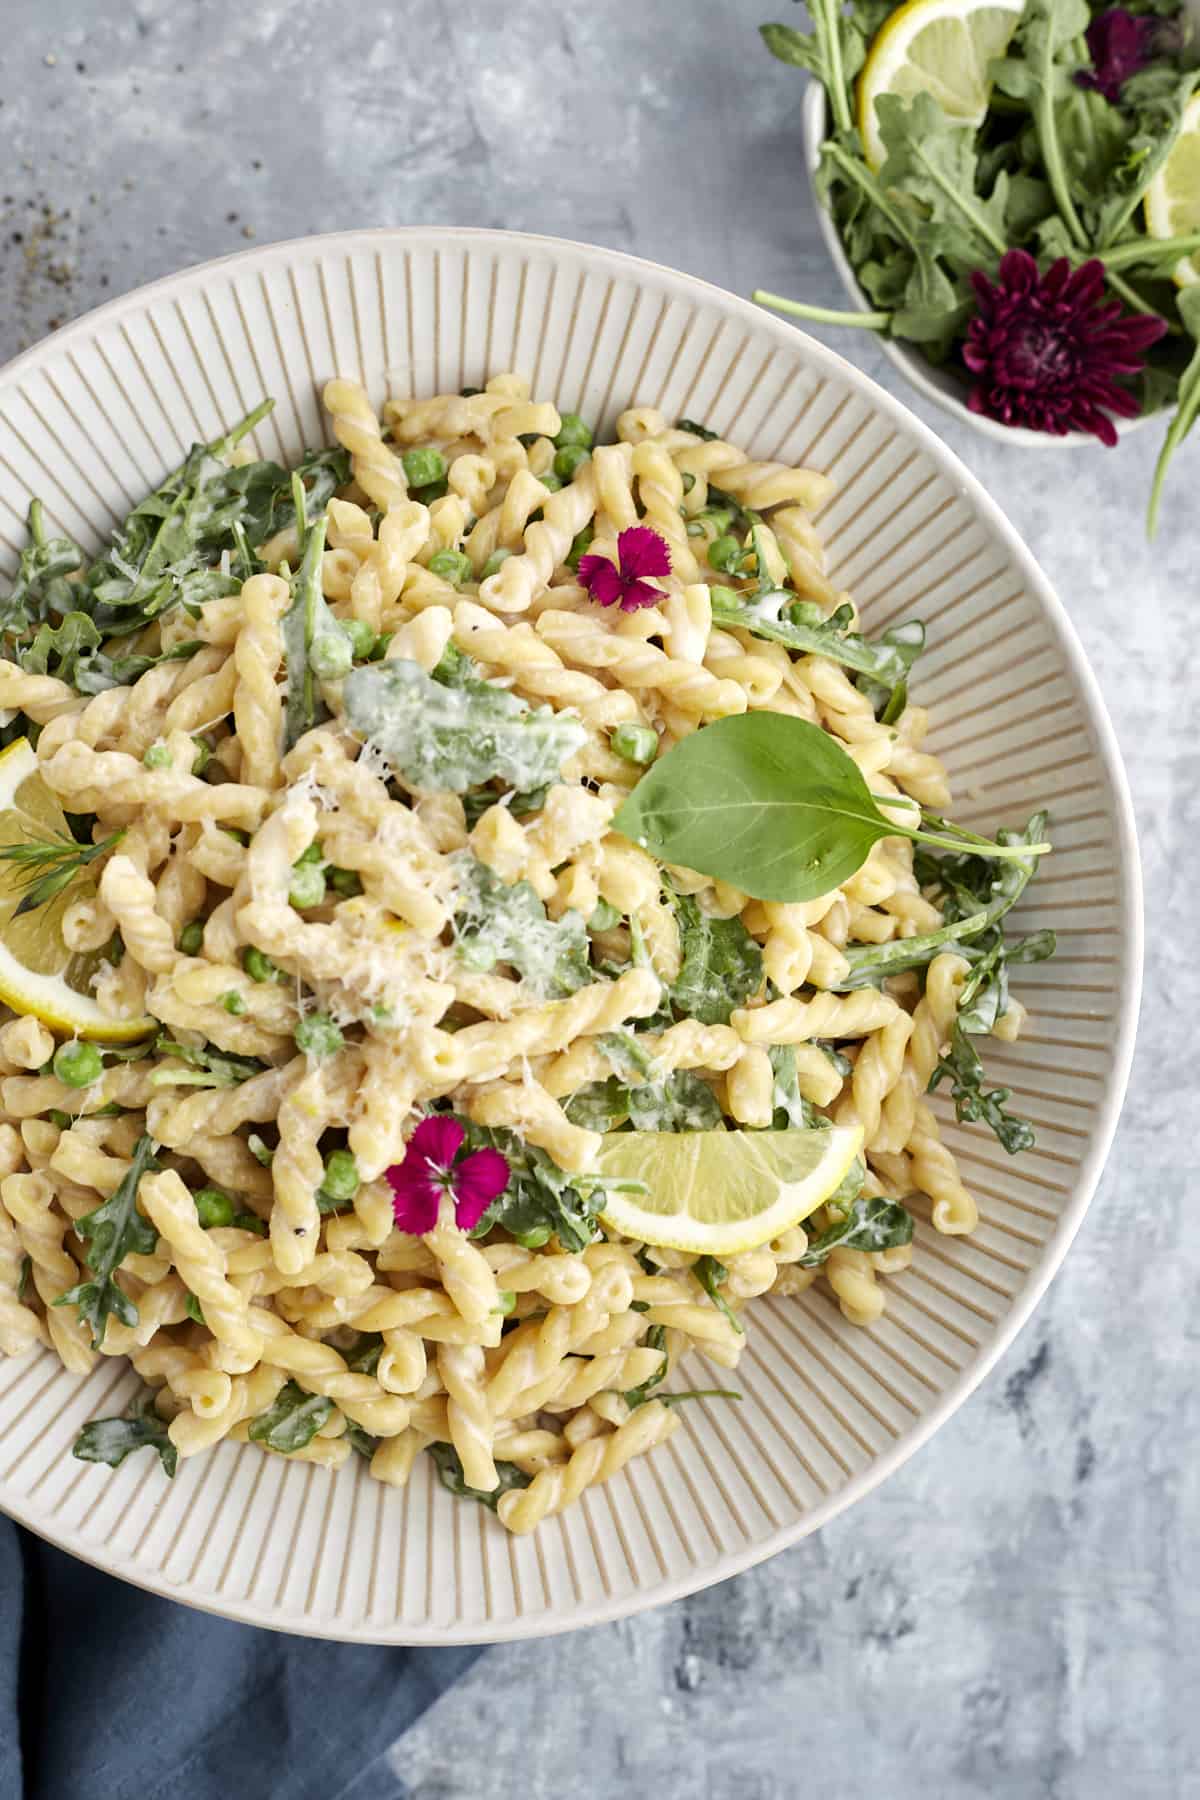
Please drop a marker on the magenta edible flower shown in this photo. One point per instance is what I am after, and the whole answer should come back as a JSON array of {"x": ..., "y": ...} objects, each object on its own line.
[
  {"x": 1048, "y": 349},
  {"x": 628, "y": 583},
  {"x": 1119, "y": 44},
  {"x": 430, "y": 1170}
]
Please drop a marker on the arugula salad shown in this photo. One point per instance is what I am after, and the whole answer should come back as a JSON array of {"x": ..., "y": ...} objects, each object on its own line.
[
  {"x": 1017, "y": 187},
  {"x": 476, "y": 911}
]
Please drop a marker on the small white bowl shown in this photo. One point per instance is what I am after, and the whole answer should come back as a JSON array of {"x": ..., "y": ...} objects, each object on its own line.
[{"x": 947, "y": 387}]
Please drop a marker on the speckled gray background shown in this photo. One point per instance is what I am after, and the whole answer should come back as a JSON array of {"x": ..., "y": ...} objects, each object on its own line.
[{"x": 1016, "y": 1613}]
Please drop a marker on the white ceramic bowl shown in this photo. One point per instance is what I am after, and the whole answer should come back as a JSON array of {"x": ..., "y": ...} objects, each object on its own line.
[
  {"x": 946, "y": 386},
  {"x": 94, "y": 416}
]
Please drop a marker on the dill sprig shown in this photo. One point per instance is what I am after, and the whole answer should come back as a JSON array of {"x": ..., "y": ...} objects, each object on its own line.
[{"x": 45, "y": 866}]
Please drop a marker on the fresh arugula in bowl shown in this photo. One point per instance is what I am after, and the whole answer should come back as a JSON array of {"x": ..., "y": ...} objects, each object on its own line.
[{"x": 1020, "y": 252}]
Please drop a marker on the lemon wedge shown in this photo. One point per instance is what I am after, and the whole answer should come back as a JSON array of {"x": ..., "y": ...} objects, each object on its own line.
[
  {"x": 1173, "y": 197},
  {"x": 716, "y": 1193},
  {"x": 936, "y": 47},
  {"x": 38, "y": 974}
]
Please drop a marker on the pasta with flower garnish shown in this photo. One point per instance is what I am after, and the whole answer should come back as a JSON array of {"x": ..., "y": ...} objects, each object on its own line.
[{"x": 472, "y": 919}]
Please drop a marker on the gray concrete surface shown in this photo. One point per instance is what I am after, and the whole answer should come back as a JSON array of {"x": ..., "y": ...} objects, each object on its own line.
[{"x": 1015, "y": 1614}]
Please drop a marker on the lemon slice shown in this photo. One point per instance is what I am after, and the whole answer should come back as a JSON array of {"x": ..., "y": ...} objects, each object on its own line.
[
  {"x": 38, "y": 974},
  {"x": 719, "y": 1192},
  {"x": 936, "y": 47},
  {"x": 1173, "y": 197}
]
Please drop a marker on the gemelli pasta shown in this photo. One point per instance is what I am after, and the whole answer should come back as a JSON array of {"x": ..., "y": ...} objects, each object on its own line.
[{"x": 355, "y": 1000}]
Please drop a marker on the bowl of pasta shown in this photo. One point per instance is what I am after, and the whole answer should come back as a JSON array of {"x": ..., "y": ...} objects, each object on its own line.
[{"x": 569, "y": 935}]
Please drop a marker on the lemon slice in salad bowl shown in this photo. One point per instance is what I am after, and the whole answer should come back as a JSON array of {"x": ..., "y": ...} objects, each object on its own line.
[
  {"x": 1173, "y": 197},
  {"x": 39, "y": 975},
  {"x": 716, "y": 1193},
  {"x": 936, "y": 47}
]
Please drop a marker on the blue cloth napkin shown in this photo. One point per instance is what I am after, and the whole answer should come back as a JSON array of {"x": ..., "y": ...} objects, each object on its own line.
[{"x": 111, "y": 1692}]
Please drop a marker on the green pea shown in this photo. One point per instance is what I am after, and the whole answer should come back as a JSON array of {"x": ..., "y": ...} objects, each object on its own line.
[
  {"x": 248, "y": 1221},
  {"x": 77, "y": 1065},
  {"x": 157, "y": 757},
  {"x": 551, "y": 482},
  {"x": 317, "y": 1035},
  {"x": 579, "y": 547},
  {"x": 380, "y": 647},
  {"x": 307, "y": 886},
  {"x": 477, "y": 955},
  {"x": 506, "y": 1300},
  {"x": 453, "y": 566},
  {"x": 191, "y": 938},
  {"x": 260, "y": 1150},
  {"x": 573, "y": 431},
  {"x": 345, "y": 883},
  {"x": 341, "y": 1181},
  {"x": 214, "y": 1207},
  {"x": 568, "y": 459},
  {"x": 636, "y": 743},
  {"x": 533, "y": 1240},
  {"x": 314, "y": 854},
  {"x": 362, "y": 638},
  {"x": 259, "y": 967},
  {"x": 437, "y": 490},
  {"x": 330, "y": 656},
  {"x": 203, "y": 755},
  {"x": 604, "y": 916},
  {"x": 493, "y": 563},
  {"x": 725, "y": 554},
  {"x": 423, "y": 467},
  {"x": 233, "y": 1002}
]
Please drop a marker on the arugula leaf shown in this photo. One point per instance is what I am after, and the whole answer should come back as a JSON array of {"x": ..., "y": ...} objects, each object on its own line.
[
  {"x": 292, "y": 1421},
  {"x": 361, "y": 1440},
  {"x": 712, "y": 1276},
  {"x": 790, "y": 1110},
  {"x": 700, "y": 431},
  {"x": 933, "y": 160},
  {"x": 779, "y": 616},
  {"x": 974, "y": 895},
  {"x": 1042, "y": 75},
  {"x": 834, "y": 52},
  {"x": 23, "y": 1278},
  {"x": 450, "y": 1474},
  {"x": 202, "y": 1066},
  {"x": 774, "y": 806},
  {"x": 869, "y": 1224},
  {"x": 721, "y": 964},
  {"x": 363, "y": 1356},
  {"x": 599, "y": 1105},
  {"x": 114, "y": 1231},
  {"x": 41, "y": 587},
  {"x": 656, "y": 1339},
  {"x": 307, "y": 624},
  {"x": 496, "y": 921},
  {"x": 457, "y": 737},
  {"x": 541, "y": 1200},
  {"x": 112, "y": 1440},
  {"x": 1188, "y": 406},
  {"x": 1151, "y": 112},
  {"x": 961, "y": 1067},
  {"x": 683, "y": 1102}
]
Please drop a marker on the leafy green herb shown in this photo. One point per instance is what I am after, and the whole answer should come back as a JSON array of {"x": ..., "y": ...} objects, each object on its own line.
[
  {"x": 292, "y": 1421},
  {"x": 194, "y": 1309},
  {"x": 681, "y": 1102},
  {"x": 460, "y": 736},
  {"x": 961, "y": 1067},
  {"x": 721, "y": 964},
  {"x": 500, "y": 922},
  {"x": 309, "y": 630},
  {"x": 656, "y": 1339},
  {"x": 450, "y": 1474},
  {"x": 700, "y": 431},
  {"x": 712, "y": 1275},
  {"x": 110, "y": 1441},
  {"x": 361, "y": 1440},
  {"x": 869, "y": 1224},
  {"x": 47, "y": 865},
  {"x": 541, "y": 1200},
  {"x": 779, "y": 616},
  {"x": 678, "y": 1397},
  {"x": 362, "y": 1358},
  {"x": 774, "y": 806},
  {"x": 114, "y": 1231},
  {"x": 790, "y": 1110},
  {"x": 41, "y": 587},
  {"x": 201, "y": 1066},
  {"x": 23, "y": 1278},
  {"x": 974, "y": 895}
]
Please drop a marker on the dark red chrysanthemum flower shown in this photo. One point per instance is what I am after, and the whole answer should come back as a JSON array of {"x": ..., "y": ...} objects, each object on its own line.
[
  {"x": 1119, "y": 44},
  {"x": 1048, "y": 349},
  {"x": 628, "y": 583}
]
